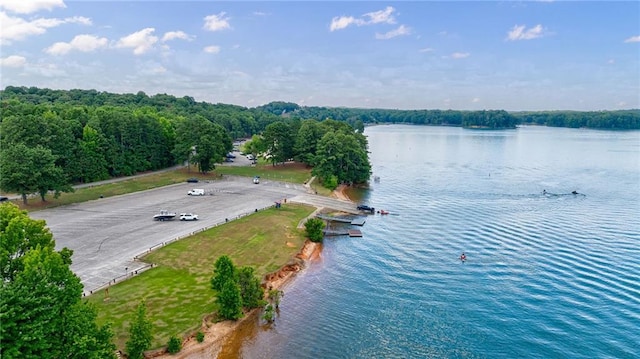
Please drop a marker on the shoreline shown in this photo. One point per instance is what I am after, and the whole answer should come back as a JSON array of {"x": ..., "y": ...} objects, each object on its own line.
[{"x": 217, "y": 333}]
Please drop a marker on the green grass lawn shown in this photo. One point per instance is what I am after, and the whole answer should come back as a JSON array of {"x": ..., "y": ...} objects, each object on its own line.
[{"x": 177, "y": 290}]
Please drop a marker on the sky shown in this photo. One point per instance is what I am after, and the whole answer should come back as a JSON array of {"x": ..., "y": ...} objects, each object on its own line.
[{"x": 471, "y": 55}]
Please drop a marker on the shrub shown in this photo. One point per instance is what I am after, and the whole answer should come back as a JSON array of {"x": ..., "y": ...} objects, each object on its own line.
[
  {"x": 200, "y": 337},
  {"x": 174, "y": 345},
  {"x": 313, "y": 228}
]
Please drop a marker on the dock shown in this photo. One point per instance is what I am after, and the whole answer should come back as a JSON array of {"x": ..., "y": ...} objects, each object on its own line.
[
  {"x": 359, "y": 221},
  {"x": 346, "y": 232}
]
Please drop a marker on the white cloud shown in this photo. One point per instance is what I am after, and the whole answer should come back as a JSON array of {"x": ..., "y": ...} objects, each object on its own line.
[
  {"x": 400, "y": 31},
  {"x": 172, "y": 35},
  {"x": 339, "y": 23},
  {"x": 376, "y": 17},
  {"x": 611, "y": 61},
  {"x": 141, "y": 41},
  {"x": 520, "y": 32},
  {"x": 16, "y": 28},
  {"x": 382, "y": 16},
  {"x": 216, "y": 22},
  {"x": 426, "y": 49},
  {"x": 460, "y": 55},
  {"x": 633, "y": 39},
  {"x": 30, "y": 6},
  {"x": 13, "y": 61},
  {"x": 212, "y": 49},
  {"x": 475, "y": 100},
  {"x": 83, "y": 43}
]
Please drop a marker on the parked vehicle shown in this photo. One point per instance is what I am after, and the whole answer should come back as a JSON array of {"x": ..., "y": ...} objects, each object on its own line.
[
  {"x": 365, "y": 208},
  {"x": 256, "y": 179},
  {"x": 192, "y": 180},
  {"x": 3, "y": 198},
  {"x": 188, "y": 217},
  {"x": 196, "y": 192}
]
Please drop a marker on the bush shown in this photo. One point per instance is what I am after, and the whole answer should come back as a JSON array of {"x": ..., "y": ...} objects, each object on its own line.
[
  {"x": 200, "y": 337},
  {"x": 174, "y": 345},
  {"x": 314, "y": 228},
  {"x": 331, "y": 182}
]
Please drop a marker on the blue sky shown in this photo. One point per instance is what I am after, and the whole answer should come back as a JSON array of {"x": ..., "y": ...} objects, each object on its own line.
[{"x": 512, "y": 55}]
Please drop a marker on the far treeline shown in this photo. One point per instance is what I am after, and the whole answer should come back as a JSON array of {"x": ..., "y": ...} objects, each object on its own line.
[
  {"x": 52, "y": 139},
  {"x": 490, "y": 119}
]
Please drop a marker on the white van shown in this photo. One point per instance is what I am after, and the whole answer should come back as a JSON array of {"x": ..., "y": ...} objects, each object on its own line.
[{"x": 196, "y": 192}]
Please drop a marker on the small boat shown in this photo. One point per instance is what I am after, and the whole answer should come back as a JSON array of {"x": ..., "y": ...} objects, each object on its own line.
[
  {"x": 164, "y": 215},
  {"x": 382, "y": 211}
]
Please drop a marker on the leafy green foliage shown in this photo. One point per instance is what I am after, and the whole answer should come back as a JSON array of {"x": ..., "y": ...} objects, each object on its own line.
[
  {"x": 313, "y": 227},
  {"x": 230, "y": 301},
  {"x": 28, "y": 170},
  {"x": 343, "y": 155},
  {"x": 42, "y": 313},
  {"x": 223, "y": 271},
  {"x": 200, "y": 336},
  {"x": 174, "y": 345},
  {"x": 250, "y": 288},
  {"x": 274, "y": 297},
  {"x": 279, "y": 140},
  {"x": 269, "y": 313},
  {"x": 201, "y": 142},
  {"x": 139, "y": 333},
  {"x": 18, "y": 235}
]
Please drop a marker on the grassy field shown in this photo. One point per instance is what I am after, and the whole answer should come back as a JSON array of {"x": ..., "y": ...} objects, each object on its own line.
[
  {"x": 177, "y": 291},
  {"x": 291, "y": 172}
]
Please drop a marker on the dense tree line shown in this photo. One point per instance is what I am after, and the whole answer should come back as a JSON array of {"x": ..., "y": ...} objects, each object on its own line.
[{"x": 606, "y": 120}]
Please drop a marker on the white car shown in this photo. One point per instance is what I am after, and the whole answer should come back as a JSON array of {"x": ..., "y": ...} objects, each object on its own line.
[
  {"x": 196, "y": 192},
  {"x": 188, "y": 217}
]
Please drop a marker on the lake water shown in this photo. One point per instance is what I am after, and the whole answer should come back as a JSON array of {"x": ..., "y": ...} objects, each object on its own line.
[{"x": 546, "y": 276}]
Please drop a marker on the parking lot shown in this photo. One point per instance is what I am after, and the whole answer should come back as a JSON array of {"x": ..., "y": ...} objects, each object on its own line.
[{"x": 107, "y": 234}]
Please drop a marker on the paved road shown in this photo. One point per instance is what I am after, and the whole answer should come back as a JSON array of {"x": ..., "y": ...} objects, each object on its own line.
[{"x": 107, "y": 234}]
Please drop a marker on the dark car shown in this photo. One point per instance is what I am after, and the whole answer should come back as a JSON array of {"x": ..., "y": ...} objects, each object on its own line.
[
  {"x": 192, "y": 180},
  {"x": 364, "y": 207},
  {"x": 3, "y": 198},
  {"x": 228, "y": 159},
  {"x": 231, "y": 155}
]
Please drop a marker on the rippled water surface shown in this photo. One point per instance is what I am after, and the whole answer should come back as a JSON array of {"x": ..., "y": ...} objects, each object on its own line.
[{"x": 547, "y": 276}]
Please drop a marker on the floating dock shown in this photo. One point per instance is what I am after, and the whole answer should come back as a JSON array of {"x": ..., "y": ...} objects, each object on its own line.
[
  {"x": 359, "y": 221},
  {"x": 345, "y": 232}
]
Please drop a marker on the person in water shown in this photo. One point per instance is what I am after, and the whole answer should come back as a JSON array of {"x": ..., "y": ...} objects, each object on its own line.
[
  {"x": 574, "y": 192},
  {"x": 544, "y": 191},
  {"x": 463, "y": 257}
]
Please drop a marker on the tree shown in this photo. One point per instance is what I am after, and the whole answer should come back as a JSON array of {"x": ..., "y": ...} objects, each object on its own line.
[
  {"x": 230, "y": 301},
  {"x": 279, "y": 140},
  {"x": 28, "y": 170},
  {"x": 139, "y": 333},
  {"x": 250, "y": 289},
  {"x": 307, "y": 141},
  {"x": 344, "y": 156},
  {"x": 223, "y": 271},
  {"x": 43, "y": 315},
  {"x": 313, "y": 227},
  {"x": 201, "y": 142},
  {"x": 18, "y": 235}
]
